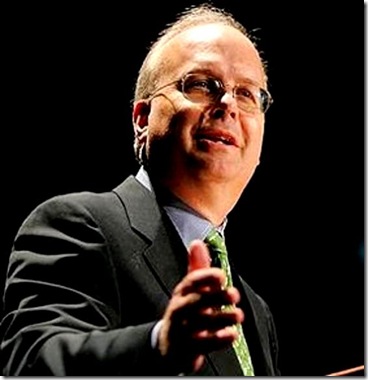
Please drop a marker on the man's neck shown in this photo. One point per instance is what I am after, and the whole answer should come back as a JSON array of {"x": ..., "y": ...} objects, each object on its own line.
[
  {"x": 208, "y": 201},
  {"x": 211, "y": 200}
]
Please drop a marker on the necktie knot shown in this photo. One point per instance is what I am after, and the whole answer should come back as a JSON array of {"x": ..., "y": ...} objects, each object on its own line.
[
  {"x": 218, "y": 252},
  {"x": 215, "y": 240}
]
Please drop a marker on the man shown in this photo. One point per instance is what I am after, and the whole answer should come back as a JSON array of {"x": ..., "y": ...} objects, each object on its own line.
[{"x": 121, "y": 283}]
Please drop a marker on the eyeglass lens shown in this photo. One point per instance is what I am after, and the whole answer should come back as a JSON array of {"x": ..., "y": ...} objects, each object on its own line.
[{"x": 202, "y": 88}]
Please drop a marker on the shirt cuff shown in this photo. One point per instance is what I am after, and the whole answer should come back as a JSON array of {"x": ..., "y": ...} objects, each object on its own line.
[{"x": 154, "y": 334}]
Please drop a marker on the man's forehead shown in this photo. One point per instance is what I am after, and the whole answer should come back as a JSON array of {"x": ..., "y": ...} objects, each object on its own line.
[
  {"x": 205, "y": 44},
  {"x": 209, "y": 32}
]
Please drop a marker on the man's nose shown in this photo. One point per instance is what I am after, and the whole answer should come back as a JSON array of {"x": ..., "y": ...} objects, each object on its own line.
[
  {"x": 227, "y": 102},
  {"x": 228, "y": 95}
]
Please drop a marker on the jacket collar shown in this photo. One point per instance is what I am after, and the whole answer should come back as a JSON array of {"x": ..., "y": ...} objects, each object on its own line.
[{"x": 165, "y": 253}]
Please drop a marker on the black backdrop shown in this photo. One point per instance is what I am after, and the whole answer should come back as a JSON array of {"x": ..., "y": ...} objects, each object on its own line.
[{"x": 69, "y": 76}]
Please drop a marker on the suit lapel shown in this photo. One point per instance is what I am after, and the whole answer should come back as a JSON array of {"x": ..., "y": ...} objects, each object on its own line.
[
  {"x": 165, "y": 253},
  {"x": 256, "y": 335},
  {"x": 167, "y": 257}
]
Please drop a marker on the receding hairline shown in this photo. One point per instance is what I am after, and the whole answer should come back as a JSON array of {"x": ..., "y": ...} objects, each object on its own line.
[{"x": 191, "y": 17}]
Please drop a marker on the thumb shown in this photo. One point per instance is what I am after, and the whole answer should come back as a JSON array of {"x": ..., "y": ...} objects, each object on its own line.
[{"x": 199, "y": 256}]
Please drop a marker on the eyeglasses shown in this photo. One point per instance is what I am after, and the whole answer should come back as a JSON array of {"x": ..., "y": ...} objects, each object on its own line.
[{"x": 201, "y": 88}]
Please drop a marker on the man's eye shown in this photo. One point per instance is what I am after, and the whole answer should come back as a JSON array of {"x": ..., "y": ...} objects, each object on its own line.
[
  {"x": 199, "y": 84},
  {"x": 244, "y": 92}
]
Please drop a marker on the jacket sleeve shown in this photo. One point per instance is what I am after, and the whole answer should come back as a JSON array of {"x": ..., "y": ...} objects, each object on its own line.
[{"x": 62, "y": 312}]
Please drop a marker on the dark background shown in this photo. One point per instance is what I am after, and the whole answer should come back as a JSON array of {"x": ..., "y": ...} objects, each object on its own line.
[{"x": 69, "y": 76}]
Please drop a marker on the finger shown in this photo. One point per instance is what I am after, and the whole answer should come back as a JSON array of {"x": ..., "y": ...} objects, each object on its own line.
[
  {"x": 195, "y": 309},
  {"x": 208, "y": 341},
  {"x": 201, "y": 280},
  {"x": 208, "y": 282},
  {"x": 214, "y": 319},
  {"x": 199, "y": 256},
  {"x": 216, "y": 299}
]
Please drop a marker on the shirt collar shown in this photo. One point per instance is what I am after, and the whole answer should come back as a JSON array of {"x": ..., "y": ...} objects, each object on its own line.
[{"x": 188, "y": 222}]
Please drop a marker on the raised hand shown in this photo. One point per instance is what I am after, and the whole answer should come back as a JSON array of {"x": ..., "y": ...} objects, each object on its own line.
[{"x": 195, "y": 323}]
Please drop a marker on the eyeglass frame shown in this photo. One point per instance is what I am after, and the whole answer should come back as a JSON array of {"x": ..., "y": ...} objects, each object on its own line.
[{"x": 220, "y": 91}]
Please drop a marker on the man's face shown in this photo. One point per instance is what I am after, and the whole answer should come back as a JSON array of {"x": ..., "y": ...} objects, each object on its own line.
[{"x": 216, "y": 141}]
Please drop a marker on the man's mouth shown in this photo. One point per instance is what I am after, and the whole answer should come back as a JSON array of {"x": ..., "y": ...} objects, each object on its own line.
[{"x": 216, "y": 136}]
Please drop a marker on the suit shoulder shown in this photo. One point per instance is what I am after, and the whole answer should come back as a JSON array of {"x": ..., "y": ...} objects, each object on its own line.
[
  {"x": 77, "y": 202},
  {"x": 81, "y": 200},
  {"x": 74, "y": 206}
]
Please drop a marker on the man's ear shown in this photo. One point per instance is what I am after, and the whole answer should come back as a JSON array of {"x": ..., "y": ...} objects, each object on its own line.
[{"x": 141, "y": 110}]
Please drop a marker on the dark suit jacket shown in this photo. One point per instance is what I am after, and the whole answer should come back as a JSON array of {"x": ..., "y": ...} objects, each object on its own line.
[{"x": 90, "y": 275}]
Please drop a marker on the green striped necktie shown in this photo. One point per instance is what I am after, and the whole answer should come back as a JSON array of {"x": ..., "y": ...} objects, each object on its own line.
[{"x": 219, "y": 258}]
